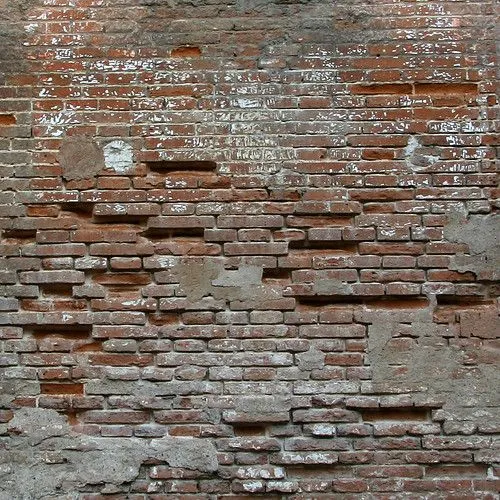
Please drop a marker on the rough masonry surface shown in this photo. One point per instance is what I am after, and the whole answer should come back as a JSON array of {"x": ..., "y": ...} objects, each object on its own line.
[{"x": 249, "y": 249}]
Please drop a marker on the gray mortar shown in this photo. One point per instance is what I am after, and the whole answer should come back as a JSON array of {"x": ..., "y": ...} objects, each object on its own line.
[
  {"x": 481, "y": 233},
  {"x": 80, "y": 158},
  {"x": 42, "y": 454}
]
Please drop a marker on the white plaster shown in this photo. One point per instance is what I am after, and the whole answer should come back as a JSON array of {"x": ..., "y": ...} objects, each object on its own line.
[{"x": 118, "y": 155}]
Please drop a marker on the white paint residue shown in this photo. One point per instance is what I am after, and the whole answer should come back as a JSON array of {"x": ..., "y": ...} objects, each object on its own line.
[
  {"x": 57, "y": 123},
  {"x": 248, "y": 103},
  {"x": 31, "y": 28},
  {"x": 118, "y": 155}
]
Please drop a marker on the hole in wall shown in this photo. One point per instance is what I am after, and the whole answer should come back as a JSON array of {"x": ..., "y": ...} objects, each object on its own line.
[
  {"x": 374, "y": 301},
  {"x": 395, "y": 414},
  {"x": 463, "y": 301},
  {"x": 248, "y": 430},
  {"x": 346, "y": 246},
  {"x": 20, "y": 234},
  {"x": 189, "y": 165},
  {"x": 81, "y": 209},
  {"x": 153, "y": 233}
]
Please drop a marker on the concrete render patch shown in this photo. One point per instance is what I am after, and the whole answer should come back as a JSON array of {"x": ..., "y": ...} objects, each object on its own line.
[
  {"x": 331, "y": 287},
  {"x": 311, "y": 359},
  {"x": 481, "y": 233},
  {"x": 80, "y": 157},
  {"x": 428, "y": 366},
  {"x": 207, "y": 277},
  {"x": 10, "y": 388},
  {"x": 43, "y": 455},
  {"x": 417, "y": 157},
  {"x": 263, "y": 404}
]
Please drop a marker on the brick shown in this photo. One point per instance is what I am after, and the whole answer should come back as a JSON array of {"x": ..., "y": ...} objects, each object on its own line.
[
  {"x": 324, "y": 234},
  {"x": 50, "y": 277},
  {"x": 237, "y": 221},
  {"x": 181, "y": 221},
  {"x": 255, "y": 248}
]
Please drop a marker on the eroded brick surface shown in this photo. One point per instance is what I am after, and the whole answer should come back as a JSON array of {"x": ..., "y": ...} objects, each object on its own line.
[{"x": 249, "y": 248}]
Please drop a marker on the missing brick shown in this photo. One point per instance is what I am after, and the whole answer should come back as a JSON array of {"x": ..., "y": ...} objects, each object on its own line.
[
  {"x": 61, "y": 389},
  {"x": 82, "y": 210},
  {"x": 373, "y": 301},
  {"x": 20, "y": 234},
  {"x": 158, "y": 233},
  {"x": 346, "y": 246},
  {"x": 6, "y": 120},
  {"x": 464, "y": 301},
  {"x": 135, "y": 220},
  {"x": 161, "y": 319},
  {"x": 445, "y": 88},
  {"x": 276, "y": 274},
  {"x": 395, "y": 414},
  {"x": 56, "y": 289},
  {"x": 182, "y": 166},
  {"x": 248, "y": 430},
  {"x": 186, "y": 51},
  {"x": 75, "y": 332}
]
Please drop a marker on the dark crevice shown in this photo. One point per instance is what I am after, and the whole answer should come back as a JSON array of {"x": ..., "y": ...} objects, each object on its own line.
[
  {"x": 82, "y": 209},
  {"x": 399, "y": 414},
  {"x": 323, "y": 245},
  {"x": 58, "y": 289},
  {"x": 120, "y": 219},
  {"x": 248, "y": 429},
  {"x": 20, "y": 234},
  {"x": 463, "y": 301},
  {"x": 387, "y": 302},
  {"x": 173, "y": 233},
  {"x": 73, "y": 332},
  {"x": 276, "y": 274},
  {"x": 189, "y": 165}
]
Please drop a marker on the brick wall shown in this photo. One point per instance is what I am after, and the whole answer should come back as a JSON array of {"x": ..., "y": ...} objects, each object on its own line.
[{"x": 248, "y": 248}]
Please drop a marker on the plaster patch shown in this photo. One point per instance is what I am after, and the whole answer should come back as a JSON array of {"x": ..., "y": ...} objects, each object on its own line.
[
  {"x": 481, "y": 233},
  {"x": 201, "y": 278},
  {"x": 331, "y": 287},
  {"x": 42, "y": 454},
  {"x": 421, "y": 361},
  {"x": 311, "y": 359},
  {"x": 80, "y": 158},
  {"x": 418, "y": 158},
  {"x": 118, "y": 156}
]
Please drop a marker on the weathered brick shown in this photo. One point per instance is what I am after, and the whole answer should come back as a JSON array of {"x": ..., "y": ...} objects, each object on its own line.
[{"x": 343, "y": 151}]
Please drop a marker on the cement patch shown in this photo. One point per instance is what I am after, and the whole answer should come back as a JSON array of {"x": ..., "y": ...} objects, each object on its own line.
[
  {"x": 481, "y": 233},
  {"x": 80, "y": 158},
  {"x": 42, "y": 455}
]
